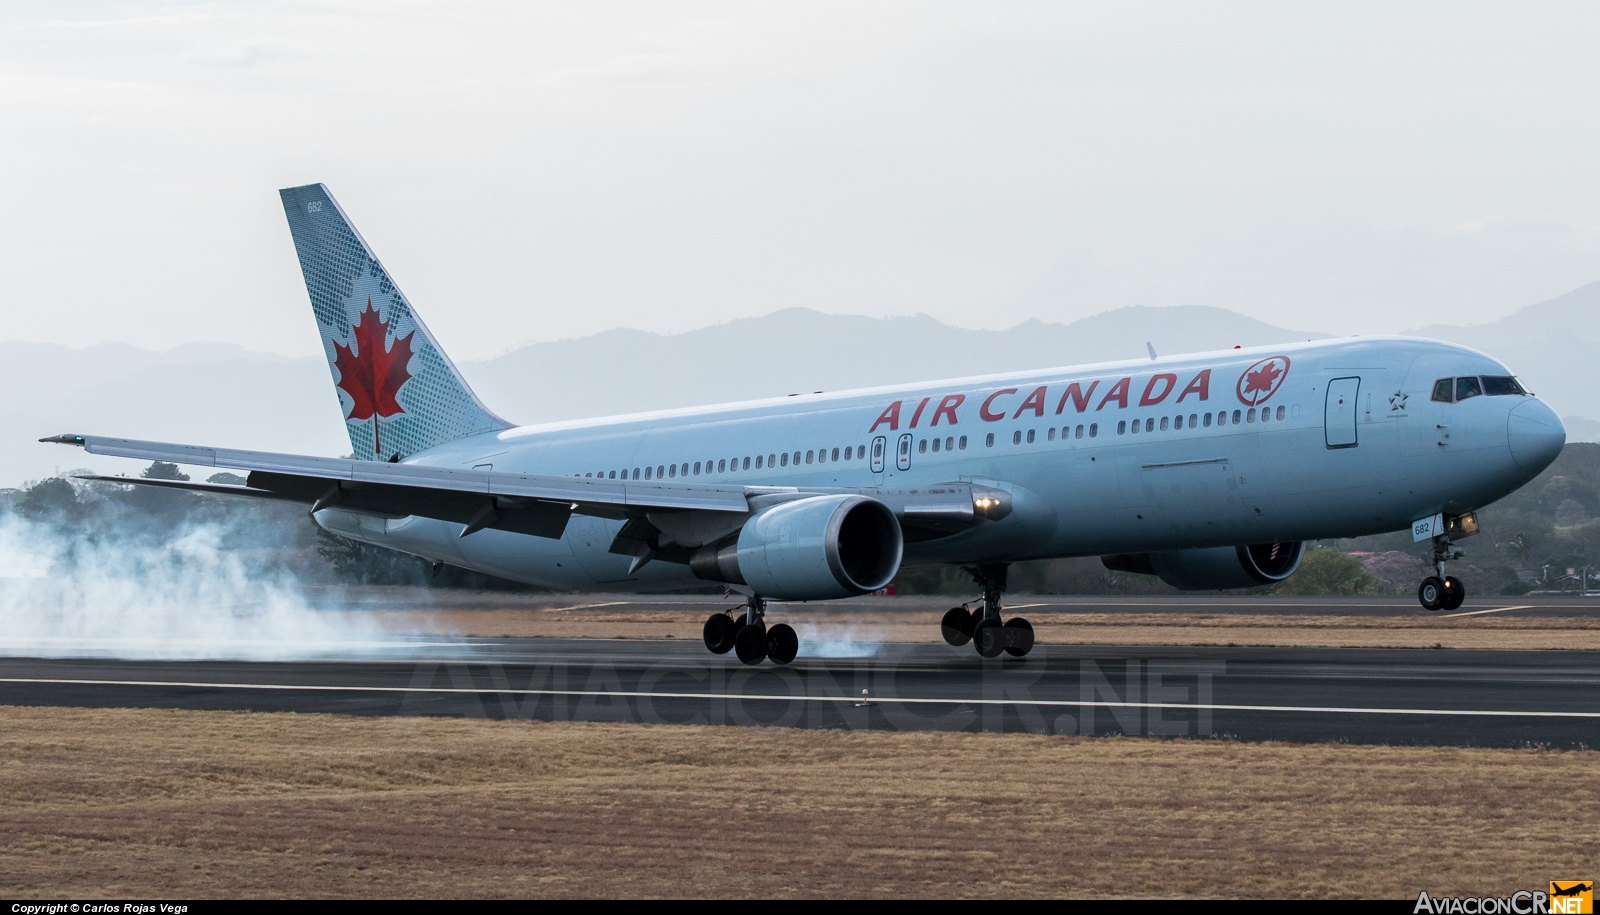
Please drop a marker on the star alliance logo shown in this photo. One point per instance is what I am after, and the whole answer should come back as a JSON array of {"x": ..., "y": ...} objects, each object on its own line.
[{"x": 1397, "y": 401}]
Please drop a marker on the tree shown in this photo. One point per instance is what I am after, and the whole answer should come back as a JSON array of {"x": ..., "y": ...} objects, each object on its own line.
[
  {"x": 1327, "y": 571},
  {"x": 161, "y": 470},
  {"x": 49, "y": 498}
]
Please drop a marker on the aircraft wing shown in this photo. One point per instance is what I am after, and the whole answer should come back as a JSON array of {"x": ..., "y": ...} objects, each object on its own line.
[
  {"x": 525, "y": 503},
  {"x": 528, "y": 503}
]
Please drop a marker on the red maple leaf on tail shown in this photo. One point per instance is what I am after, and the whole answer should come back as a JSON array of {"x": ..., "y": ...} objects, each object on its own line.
[
  {"x": 369, "y": 374},
  {"x": 1262, "y": 379}
]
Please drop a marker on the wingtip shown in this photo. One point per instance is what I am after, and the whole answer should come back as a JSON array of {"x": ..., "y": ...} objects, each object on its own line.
[{"x": 66, "y": 438}]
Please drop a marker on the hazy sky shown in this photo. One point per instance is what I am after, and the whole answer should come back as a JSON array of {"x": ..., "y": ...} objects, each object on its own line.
[{"x": 534, "y": 171}]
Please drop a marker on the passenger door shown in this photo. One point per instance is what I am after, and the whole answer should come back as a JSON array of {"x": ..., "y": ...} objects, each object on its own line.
[
  {"x": 902, "y": 458},
  {"x": 1339, "y": 415},
  {"x": 879, "y": 446}
]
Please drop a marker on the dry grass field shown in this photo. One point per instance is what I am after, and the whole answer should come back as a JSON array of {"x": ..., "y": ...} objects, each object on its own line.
[
  {"x": 130, "y": 803},
  {"x": 591, "y": 620}
]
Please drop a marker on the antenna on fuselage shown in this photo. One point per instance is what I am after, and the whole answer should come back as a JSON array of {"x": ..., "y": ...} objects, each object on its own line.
[{"x": 1152, "y": 350}]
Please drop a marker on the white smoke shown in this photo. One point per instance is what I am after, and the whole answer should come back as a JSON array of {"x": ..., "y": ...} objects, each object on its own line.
[
  {"x": 184, "y": 596},
  {"x": 836, "y": 640}
]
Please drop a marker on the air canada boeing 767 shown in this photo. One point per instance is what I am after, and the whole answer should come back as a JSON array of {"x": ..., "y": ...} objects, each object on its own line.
[{"x": 1210, "y": 470}]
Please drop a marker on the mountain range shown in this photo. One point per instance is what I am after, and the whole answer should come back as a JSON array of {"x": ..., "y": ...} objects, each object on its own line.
[{"x": 225, "y": 395}]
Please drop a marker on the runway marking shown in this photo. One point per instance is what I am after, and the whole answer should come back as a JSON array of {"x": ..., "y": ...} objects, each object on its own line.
[
  {"x": 1449, "y": 616},
  {"x": 630, "y": 694}
]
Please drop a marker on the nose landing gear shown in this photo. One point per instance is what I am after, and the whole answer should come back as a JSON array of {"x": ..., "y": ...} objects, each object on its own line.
[
  {"x": 982, "y": 626},
  {"x": 1440, "y": 591},
  {"x": 748, "y": 637}
]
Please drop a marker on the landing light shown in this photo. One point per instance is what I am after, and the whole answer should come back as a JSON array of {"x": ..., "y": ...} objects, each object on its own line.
[{"x": 984, "y": 502}]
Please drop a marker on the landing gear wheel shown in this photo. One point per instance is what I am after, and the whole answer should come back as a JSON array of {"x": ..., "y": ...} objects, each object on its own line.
[
  {"x": 751, "y": 643},
  {"x": 1021, "y": 640},
  {"x": 782, "y": 643},
  {"x": 1431, "y": 593},
  {"x": 1454, "y": 592},
  {"x": 957, "y": 626},
  {"x": 989, "y": 638},
  {"x": 719, "y": 633}
]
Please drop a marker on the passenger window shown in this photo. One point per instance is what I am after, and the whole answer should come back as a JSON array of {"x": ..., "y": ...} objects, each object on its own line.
[
  {"x": 784, "y": 459},
  {"x": 1030, "y": 436},
  {"x": 1444, "y": 390},
  {"x": 613, "y": 474},
  {"x": 1280, "y": 413},
  {"x": 1094, "y": 429},
  {"x": 672, "y": 471},
  {"x": 772, "y": 461},
  {"x": 758, "y": 462},
  {"x": 1250, "y": 415},
  {"x": 1467, "y": 387},
  {"x": 922, "y": 447},
  {"x": 1208, "y": 420},
  {"x": 963, "y": 443},
  {"x": 1016, "y": 437},
  {"x": 1236, "y": 417},
  {"x": 1501, "y": 384},
  {"x": 797, "y": 459},
  {"x": 589, "y": 475},
  {"x": 1164, "y": 422},
  {"x": 647, "y": 473},
  {"x": 1051, "y": 435},
  {"x": 661, "y": 472},
  {"x": 746, "y": 463},
  {"x": 936, "y": 444},
  {"x": 949, "y": 443},
  {"x": 696, "y": 468},
  {"x": 1177, "y": 421},
  {"x": 636, "y": 473},
  {"x": 1150, "y": 424},
  {"x": 1078, "y": 433},
  {"x": 721, "y": 466},
  {"x": 1122, "y": 426},
  {"x": 809, "y": 456},
  {"x": 988, "y": 440}
]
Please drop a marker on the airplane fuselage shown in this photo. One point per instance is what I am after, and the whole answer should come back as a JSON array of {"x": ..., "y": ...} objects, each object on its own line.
[{"x": 1302, "y": 442}]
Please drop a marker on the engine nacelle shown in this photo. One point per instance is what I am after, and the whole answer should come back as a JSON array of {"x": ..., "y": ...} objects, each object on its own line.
[
  {"x": 815, "y": 548},
  {"x": 1216, "y": 568}
]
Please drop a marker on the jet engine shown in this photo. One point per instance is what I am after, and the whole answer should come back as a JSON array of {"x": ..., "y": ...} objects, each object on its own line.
[
  {"x": 815, "y": 548},
  {"x": 1215, "y": 568}
]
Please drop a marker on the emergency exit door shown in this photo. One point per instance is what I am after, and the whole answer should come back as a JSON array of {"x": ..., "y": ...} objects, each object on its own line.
[{"x": 1339, "y": 416}]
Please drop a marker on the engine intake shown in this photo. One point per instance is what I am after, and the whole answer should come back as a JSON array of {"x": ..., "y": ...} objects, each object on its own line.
[
  {"x": 1215, "y": 568},
  {"x": 815, "y": 548}
]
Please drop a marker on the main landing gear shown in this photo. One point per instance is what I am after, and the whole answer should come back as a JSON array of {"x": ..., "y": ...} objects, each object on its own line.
[
  {"x": 982, "y": 626},
  {"x": 748, "y": 637},
  {"x": 1440, "y": 591}
]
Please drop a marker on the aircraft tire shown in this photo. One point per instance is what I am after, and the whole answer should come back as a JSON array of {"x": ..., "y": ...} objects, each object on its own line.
[
  {"x": 989, "y": 638},
  {"x": 1454, "y": 593},
  {"x": 719, "y": 633},
  {"x": 751, "y": 644},
  {"x": 782, "y": 643},
  {"x": 1431, "y": 593},
  {"x": 1020, "y": 641},
  {"x": 956, "y": 627}
]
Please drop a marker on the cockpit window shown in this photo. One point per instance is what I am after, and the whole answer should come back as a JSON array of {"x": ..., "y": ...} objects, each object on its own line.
[
  {"x": 1467, "y": 387},
  {"x": 1501, "y": 384},
  {"x": 1444, "y": 390}
]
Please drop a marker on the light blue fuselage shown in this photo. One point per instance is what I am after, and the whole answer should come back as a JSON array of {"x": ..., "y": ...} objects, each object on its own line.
[{"x": 1360, "y": 448}]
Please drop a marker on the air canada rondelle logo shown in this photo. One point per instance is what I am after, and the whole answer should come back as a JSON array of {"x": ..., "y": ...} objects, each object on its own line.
[{"x": 1262, "y": 380}]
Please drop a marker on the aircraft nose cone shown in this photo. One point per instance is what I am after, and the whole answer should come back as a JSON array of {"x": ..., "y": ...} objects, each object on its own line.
[{"x": 1535, "y": 434}]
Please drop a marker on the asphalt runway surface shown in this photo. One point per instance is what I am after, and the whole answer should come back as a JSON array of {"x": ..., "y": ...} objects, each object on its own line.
[{"x": 1386, "y": 696}]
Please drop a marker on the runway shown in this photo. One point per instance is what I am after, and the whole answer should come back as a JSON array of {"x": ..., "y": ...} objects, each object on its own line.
[{"x": 1387, "y": 696}]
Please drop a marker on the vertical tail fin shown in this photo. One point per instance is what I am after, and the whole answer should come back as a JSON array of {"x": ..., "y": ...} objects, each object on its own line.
[{"x": 399, "y": 392}]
